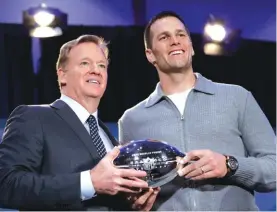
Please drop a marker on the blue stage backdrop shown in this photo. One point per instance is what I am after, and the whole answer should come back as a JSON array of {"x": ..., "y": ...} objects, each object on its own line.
[{"x": 265, "y": 201}]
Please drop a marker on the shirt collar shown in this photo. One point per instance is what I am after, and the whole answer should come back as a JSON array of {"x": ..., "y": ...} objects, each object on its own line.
[
  {"x": 79, "y": 110},
  {"x": 202, "y": 84}
]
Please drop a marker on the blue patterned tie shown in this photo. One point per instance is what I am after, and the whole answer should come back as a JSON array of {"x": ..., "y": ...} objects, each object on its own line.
[{"x": 95, "y": 136}]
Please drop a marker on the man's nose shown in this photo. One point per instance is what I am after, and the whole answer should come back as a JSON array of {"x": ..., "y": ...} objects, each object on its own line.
[
  {"x": 175, "y": 40},
  {"x": 94, "y": 69}
]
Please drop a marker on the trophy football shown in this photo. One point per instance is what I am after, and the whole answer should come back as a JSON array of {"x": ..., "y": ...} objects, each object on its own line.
[{"x": 156, "y": 158}]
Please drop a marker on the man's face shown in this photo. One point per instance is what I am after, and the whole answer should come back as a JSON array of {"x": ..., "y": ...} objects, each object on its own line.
[
  {"x": 85, "y": 73},
  {"x": 171, "y": 45}
]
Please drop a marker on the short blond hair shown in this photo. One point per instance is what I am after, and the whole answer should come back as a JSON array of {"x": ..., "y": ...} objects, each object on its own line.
[{"x": 66, "y": 48}]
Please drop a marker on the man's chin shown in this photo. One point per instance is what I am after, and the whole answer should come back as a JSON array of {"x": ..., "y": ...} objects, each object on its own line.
[
  {"x": 94, "y": 95},
  {"x": 180, "y": 66},
  {"x": 177, "y": 68}
]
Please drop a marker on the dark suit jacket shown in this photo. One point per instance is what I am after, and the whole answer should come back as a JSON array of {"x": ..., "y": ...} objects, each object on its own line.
[{"x": 43, "y": 151}]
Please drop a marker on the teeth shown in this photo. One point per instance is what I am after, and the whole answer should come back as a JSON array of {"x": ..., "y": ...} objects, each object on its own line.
[
  {"x": 176, "y": 52},
  {"x": 93, "y": 81}
]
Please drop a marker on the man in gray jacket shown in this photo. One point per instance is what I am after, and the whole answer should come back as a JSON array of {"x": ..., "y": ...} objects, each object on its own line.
[{"x": 220, "y": 126}]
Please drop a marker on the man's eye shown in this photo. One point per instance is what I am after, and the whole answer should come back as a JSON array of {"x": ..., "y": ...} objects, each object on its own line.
[
  {"x": 84, "y": 63},
  {"x": 163, "y": 38},
  {"x": 102, "y": 65}
]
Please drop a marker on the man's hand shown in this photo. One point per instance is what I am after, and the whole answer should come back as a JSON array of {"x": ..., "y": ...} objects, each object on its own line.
[
  {"x": 107, "y": 179},
  {"x": 144, "y": 201},
  {"x": 202, "y": 164}
]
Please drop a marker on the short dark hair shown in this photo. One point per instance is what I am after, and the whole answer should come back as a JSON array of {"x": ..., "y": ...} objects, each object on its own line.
[{"x": 163, "y": 14}]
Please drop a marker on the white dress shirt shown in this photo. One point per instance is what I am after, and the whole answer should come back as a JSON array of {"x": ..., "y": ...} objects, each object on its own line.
[{"x": 87, "y": 188}]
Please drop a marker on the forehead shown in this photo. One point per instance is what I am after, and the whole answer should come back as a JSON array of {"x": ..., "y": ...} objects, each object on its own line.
[
  {"x": 89, "y": 50},
  {"x": 169, "y": 24}
]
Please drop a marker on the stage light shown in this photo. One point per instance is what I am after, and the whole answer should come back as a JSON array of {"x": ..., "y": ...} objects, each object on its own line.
[
  {"x": 215, "y": 31},
  {"x": 43, "y": 18},
  {"x": 43, "y": 21},
  {"x": 219, "y": 38},
  {"x": 213, "y": 49}
]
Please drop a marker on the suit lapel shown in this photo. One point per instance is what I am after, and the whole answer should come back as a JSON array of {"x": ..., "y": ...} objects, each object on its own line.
[
  {"x": 72, "y": 120},
  {"x": 107, "y": 131}
]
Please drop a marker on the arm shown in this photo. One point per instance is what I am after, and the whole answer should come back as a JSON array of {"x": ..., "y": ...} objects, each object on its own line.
[
  {"x": 258, "y": 171},
  {"x": 21, "y": 157},
  {"x": 123, "y": 136}
]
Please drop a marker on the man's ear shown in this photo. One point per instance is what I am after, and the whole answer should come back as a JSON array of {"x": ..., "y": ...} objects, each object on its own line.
[
  {"x": 61, "y": 76},
  {"x": 192, "y": 50},
  {"x": 150, "y": 56}
]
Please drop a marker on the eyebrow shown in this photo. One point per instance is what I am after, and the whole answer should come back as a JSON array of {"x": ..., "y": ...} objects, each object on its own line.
[
  {"x": 167, "y": 32},
  {"x": 99, "y": 61},
  {"x": 181, "y": 30}
]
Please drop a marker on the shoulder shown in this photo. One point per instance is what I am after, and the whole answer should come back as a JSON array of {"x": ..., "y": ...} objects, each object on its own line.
[
  {"x": 24, "y": 119},
  {"x": 220, "y": 91},
  {"x": 30, "y": 109},
  {"x": 231, "y": 91},
  {"x": 135, "y": 111},
  {"x": 23, "y": 113},
  {"x": 231, "y": 96},
  {"x": 230, "y": 87}
]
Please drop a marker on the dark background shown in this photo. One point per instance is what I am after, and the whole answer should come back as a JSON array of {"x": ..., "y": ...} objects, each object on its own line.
[{"x": 131, "y": 77}]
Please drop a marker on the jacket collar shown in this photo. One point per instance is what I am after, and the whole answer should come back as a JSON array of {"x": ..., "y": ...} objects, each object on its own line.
[{"x": 202, "y": 84}]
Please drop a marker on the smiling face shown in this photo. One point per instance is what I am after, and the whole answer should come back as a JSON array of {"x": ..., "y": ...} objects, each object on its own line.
[
  {"x": 171, "y": 47},
  {"x": 85, "y": 73}
]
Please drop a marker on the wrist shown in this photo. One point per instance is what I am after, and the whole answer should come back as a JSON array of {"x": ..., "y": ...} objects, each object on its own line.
[{"x": 231, "y": 165}]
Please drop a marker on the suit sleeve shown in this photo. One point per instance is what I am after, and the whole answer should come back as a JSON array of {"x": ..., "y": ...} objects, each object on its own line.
[
  {"x": 21, "y": 157},
  {"x": 258, "y": 170}
]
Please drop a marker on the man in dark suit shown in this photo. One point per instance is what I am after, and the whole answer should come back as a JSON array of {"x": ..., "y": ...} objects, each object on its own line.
[{"x": 54, "y": 157}]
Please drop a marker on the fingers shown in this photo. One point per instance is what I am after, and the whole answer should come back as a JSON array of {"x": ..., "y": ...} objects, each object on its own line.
[
  {"x": 132, "y": 183},
  {"x": 134, "y": 178},
  {"x": 193, "y": 155},
  {"x": 192, "y": 169},
  {"x": 209, "y": 165},
  {"x": 200, "y": 170},
  {"x": 150, "y": 201},
  {"x": 119, "y": 147},
  {"x": 178, "y": 159},
  {"x": 139, "y": 202},
  {"x": 113, "y": 153},
  {"x": 132, "y": 173},
  {"x": 157, "y": 189},
  {"x": 205, "y": 175},
  {"x": 127, "y": 190}
]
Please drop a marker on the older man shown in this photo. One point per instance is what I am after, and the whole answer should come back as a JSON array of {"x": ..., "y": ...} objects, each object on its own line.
[{"x": 54, "y": 157}]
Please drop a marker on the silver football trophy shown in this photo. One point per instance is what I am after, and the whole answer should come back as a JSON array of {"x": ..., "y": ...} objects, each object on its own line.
[{"x": 156, "y": 158}]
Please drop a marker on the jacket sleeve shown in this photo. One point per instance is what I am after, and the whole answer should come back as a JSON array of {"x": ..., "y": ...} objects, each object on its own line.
[
  {"x": 124, "y": 136},
  {"x": 258, "y": 170},
  {"x": 21, "y": 158}
]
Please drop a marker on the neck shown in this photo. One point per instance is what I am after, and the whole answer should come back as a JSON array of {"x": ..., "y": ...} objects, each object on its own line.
[
  {"x": 177, "y": 82},
  {"x": 89, "y": 103}
]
